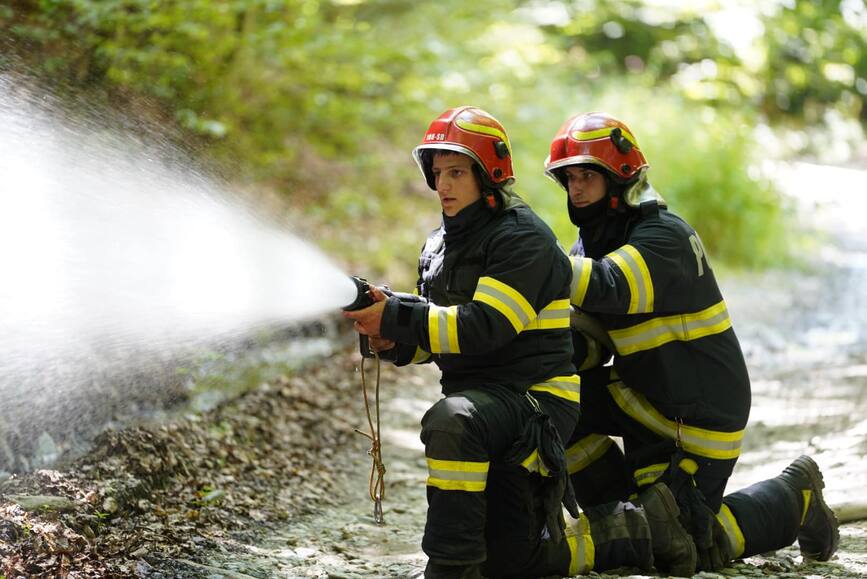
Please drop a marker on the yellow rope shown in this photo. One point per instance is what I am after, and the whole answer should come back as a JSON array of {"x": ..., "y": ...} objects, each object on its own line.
[{"x": 376, "y": 485}]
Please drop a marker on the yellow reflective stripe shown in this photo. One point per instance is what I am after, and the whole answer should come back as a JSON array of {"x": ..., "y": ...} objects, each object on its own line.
[
  {"x": 582, "y": 553},
  {"x": 420, "y": 356},
  {"x": 568, "y": 387},
  {"x": 534, "y": 463},
  {"x": 485, "y": 130},
  {"x": 700, "y": 441},
  {"x": 688, "y": 465},
  {"x": 808, "y": 494},
  {"x": 682, "y": 327},
  {"x": 634, "y": 269},
  {"x": 733, "y": 531},
  {"x": 443, "y": 329},
  {"x": 603, "y": 132},
  {"x": 649, "y": 474},
  {"x": 576, "y": 556},
  {"x": 581, "y": 269},
  {"x": 456, "y": 475},
  {"x": 586, "y": 451},
  {"x": 505, "y": 300},
  {"x": 456, "y": 485},
  {"x": 554, "y": 316}
]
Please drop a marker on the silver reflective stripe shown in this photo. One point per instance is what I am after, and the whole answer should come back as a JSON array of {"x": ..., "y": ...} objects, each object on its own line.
[
  {"x": 443, "y": 329},
  {"x": 554, "y": 316},
  {"x": 586, "y": 451},
  {"x": 507, "y": 301},
  {"x": 457, "y": 475},
  {"x": 443, "y": 316},
  {"x": 567, "y": 387},
  {"x": 709, "y": 443},
  {"x": 634, "y": 269},
  {"x": 461, "y": 475},
  {"x": 649, "y": 474},
  {"x": 682, "y": 327},
  {"x": 582, "y": 267},
  {"x": 556, "y": 310}
]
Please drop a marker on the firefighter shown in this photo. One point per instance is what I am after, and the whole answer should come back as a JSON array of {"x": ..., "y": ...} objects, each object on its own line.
[
  {"x": 678, "y": 392},
  {"x": 491, "y": 309}
]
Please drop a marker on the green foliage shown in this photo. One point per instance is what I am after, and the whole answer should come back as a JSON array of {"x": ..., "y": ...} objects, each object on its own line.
[
  {"x": 816, "y": 59},
  {"x": 708, "y": 169},
  {"x": 322, "y": 100},
  {"x": 633, "y": 37}
]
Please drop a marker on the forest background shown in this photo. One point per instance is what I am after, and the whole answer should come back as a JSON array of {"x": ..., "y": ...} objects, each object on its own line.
[{"x": 313, "y": 106}]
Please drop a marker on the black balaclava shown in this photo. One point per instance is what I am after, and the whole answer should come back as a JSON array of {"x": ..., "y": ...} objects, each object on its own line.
[
  {"x": 588, "y": 215},
  {"x": 602, "y": 227},
  {"x": 468, "y": 219}
]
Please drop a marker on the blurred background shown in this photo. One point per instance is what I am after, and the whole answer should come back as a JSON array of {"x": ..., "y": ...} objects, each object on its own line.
[{"x": 311, "y": 107}]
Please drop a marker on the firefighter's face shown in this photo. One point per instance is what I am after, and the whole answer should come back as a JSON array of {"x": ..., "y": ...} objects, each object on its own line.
[
  {"x": 456, "y": 183},
  {"x": 585, "y": 186}
]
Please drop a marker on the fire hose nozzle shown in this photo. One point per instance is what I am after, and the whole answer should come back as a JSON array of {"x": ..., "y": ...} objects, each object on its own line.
[{"x": 363, "y": 298}]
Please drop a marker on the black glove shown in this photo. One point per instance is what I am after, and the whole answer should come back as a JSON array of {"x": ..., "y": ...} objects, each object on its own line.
[
  {"x": 541, "y": 436},
  {"x": 711, "y": 541}
]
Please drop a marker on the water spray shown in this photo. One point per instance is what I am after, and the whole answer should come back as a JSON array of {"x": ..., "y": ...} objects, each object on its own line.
[{"x": 116, "y": 250}]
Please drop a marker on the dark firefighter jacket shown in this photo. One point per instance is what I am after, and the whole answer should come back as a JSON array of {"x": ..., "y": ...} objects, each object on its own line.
[
  {"x": 495, "y": 304},
  {"x": 653, "y": 289}
]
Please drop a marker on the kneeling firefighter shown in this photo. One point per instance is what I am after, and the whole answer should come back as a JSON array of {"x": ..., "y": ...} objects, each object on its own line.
[
  {"x": 678, "y": 392},
  {"x": 491, "y": 309}
]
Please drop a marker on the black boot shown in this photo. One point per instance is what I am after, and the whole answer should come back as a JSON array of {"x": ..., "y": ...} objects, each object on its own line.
[
  {"x": 673, "y": 548},
  {"x": 621, "y": 536},
  {"x": 818, "y": 535}
]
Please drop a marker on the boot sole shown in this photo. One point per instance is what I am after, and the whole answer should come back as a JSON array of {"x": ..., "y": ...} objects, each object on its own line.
[{"x": 818, "y": 483}]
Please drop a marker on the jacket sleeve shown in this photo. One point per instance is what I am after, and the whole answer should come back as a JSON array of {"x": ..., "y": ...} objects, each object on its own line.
[
  {"x": 403, "y": 354},
  {"x": 523, "y": 274},
  {"x": 631, "y": 278}
]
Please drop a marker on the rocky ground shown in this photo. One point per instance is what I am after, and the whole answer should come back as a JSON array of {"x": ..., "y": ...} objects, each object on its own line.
[{"x": 147, "y": 498}]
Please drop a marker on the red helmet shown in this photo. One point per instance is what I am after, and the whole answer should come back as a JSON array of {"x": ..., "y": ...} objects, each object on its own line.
[
  {"x": 596, "y": 139},
  {"x": 473, "y": 132}
]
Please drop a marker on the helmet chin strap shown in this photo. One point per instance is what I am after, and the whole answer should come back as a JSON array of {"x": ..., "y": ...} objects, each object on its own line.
[{"x": 491, "y": 200}]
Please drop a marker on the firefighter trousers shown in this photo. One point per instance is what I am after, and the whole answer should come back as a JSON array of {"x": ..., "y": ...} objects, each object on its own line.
[
  {"x": 482, "y": 510},
  {"x": 760, "y": 518}
]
